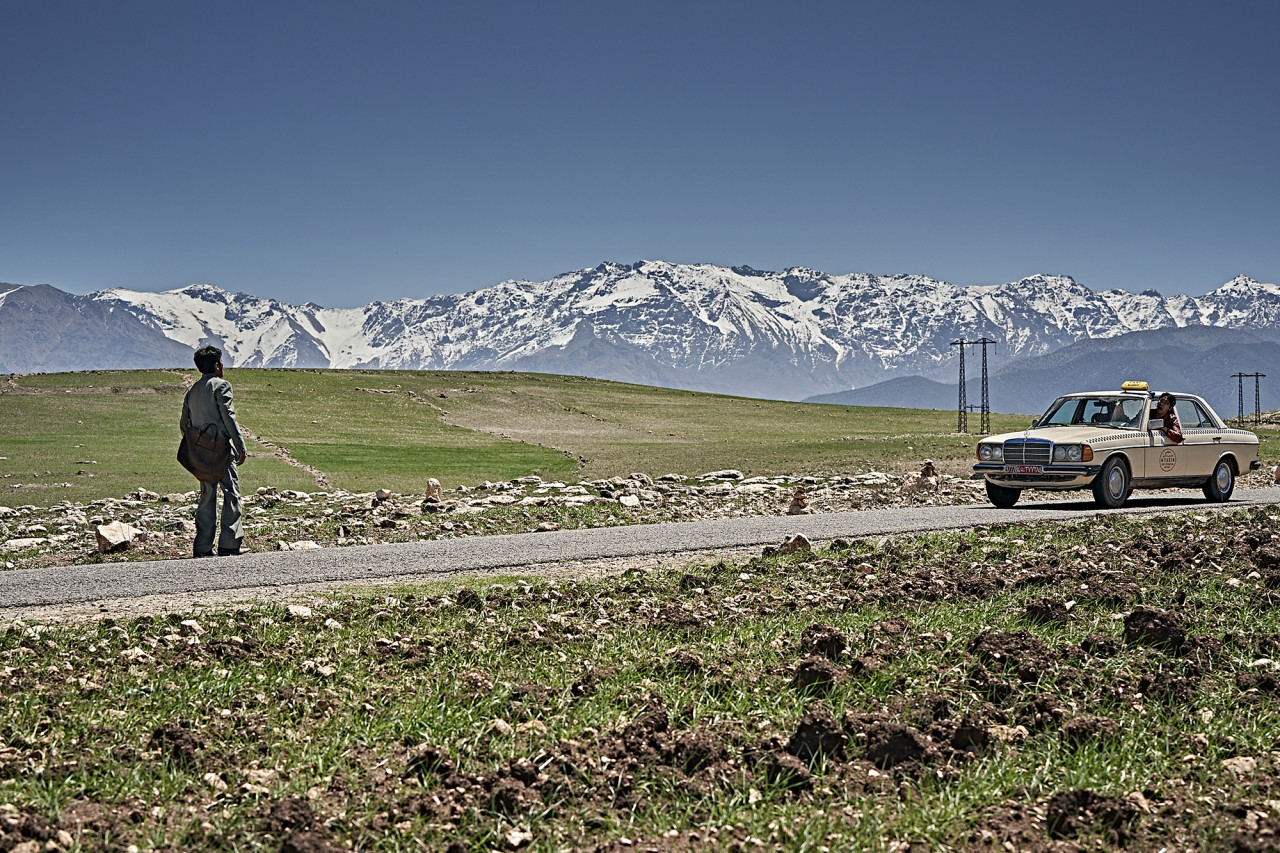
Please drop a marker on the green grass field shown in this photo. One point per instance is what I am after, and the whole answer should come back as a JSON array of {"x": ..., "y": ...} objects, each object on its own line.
[
  {"x": 82, "y": 436},
  {"x": 1101, "y": 685}
]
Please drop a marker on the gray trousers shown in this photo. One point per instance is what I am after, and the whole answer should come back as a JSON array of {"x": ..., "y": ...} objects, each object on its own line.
[{"x": 231, "y": 531}]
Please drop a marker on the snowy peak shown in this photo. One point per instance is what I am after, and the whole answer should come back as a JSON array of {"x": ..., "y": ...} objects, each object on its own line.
[{"x": 789, "y": 334}]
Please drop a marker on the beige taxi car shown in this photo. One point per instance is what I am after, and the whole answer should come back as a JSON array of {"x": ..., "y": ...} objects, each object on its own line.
[{"x": 1111, "y": 442}]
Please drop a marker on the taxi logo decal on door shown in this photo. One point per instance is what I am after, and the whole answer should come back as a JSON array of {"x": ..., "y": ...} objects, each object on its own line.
[{"x": 1168, "y": 459}]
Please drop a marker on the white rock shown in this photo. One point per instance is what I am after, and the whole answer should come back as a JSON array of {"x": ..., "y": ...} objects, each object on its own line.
[
  {"x": 302, "y": 545},
  {"x": 299, "y": 611},
  {"x": 796, "y": 543},
  {"x": 630, "y": 500},
  {"x": 116, "y": 536},
  {"x": 23, "y": 544},
  {"x": 1241, "y": 765},
  {"x": 434, "y": 490},
  {"x": 727, "y": 474}
]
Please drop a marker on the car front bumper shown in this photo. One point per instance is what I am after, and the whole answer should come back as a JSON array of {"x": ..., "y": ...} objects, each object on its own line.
[{"x": 1052, "y": 477}]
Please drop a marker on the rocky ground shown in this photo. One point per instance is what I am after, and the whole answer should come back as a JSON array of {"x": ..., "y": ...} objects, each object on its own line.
[{"x": 145, "y": 525}]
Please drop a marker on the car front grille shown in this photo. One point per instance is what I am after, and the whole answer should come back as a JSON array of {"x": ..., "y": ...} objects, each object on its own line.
[{"x": 1028, "y": 451}]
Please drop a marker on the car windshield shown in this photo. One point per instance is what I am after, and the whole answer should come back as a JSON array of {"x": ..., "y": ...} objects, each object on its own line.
[{"x": 1106, "y": 412}]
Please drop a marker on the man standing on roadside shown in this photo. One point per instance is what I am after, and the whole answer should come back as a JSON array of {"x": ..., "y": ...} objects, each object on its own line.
[{"x": 208, "y": 401}]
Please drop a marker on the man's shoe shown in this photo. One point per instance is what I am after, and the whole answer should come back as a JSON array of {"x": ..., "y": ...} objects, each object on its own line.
[
  {"x": 203, "y": 554},
  {"x": 228, "y": 552}
]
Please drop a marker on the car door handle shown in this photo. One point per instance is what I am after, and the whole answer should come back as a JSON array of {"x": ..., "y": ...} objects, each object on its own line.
[{"x": 1217, "y": 438}]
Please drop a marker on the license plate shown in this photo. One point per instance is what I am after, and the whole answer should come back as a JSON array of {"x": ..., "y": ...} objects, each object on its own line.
[{"x": 1024, "y": 469}]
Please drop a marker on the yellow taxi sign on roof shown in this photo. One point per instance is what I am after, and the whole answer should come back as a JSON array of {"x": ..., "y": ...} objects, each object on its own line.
[{"x": 1133, "y": 385}]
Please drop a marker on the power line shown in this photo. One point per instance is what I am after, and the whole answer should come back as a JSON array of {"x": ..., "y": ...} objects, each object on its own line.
[
  {"x": 985, "y": 429},
  {"x": 962, "y": 420},
  {"x": 1257, "y": 394}
]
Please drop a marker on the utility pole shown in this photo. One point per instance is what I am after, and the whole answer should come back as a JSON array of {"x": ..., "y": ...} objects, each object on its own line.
[
  {"x": 962, "y": 421},
  {"x": 985, "y": 429},
  {"x": 1257, "y": 394}
]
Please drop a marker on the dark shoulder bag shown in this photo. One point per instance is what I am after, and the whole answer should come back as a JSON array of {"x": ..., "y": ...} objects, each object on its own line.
[{"x": 204, "y": 453}]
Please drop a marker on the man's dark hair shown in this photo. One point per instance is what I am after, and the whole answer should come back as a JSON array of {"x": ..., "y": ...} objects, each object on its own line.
[
  {"x": 207, "y": 358},
  {"x": 1173, "y": 401}
]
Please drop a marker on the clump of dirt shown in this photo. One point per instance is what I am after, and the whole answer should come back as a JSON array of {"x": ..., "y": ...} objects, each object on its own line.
[
  {"x": 695, "y": 751},
  {"x": 1086, "y": 728},
  {"x": 672, "y": 616},
  {"x": 817, "y": 675},
  {"x": 890, "y": 744},
  {"x": 509, "y": 796},
  {"x": 1263, "y": 682},
  {"x": 683, "y": 662},
  {"x": 1100, "y": 645},
  {"x": 1259, "y": 835},
  {"x": 34, "y": 831},
  {"x": 289, "y": 813},
  {"x": 787, "y": 771},
  {"x": 589, "y": 682},
  {"x": 303, "y": 841},
  {"x": 1041, "y": 711},
  {"x": 426, "y": 759},
  {"x": 1073, "y": 813},
  {"x": 1018, "y": 650},
  {"x": 1047, "y": 611},
  {"x": 969, "y": 736},
  {"x": 1166, "y": 687},
  {"x": 178, "y": 742},
  {"x": 1151, "y": 626},
  {"x": 824, "y": 640},
  {"x": 817, "y": 735}
]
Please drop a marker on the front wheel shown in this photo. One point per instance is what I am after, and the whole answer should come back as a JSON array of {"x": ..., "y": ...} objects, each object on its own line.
[
  {"x": 1002, "y": 496},
  {"x": 1219, "y": 487},
  {"x": 1113, "y": 485}
]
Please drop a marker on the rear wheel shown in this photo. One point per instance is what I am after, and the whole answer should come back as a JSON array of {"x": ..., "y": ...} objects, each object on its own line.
[
  {"x": 1219, "y": 487},
  {"x": 1002, "y": 496},
  {"x": 1113, "y": 485}
]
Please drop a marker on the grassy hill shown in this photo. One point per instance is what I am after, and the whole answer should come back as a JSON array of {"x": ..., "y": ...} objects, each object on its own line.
[{"x": 81, "y": 436}]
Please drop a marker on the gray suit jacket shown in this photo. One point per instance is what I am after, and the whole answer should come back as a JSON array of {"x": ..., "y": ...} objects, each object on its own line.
[{"x": 209, "y": 401}]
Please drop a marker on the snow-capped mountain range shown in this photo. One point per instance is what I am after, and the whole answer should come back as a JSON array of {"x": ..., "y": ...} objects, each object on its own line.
[{"x": 786, "y": 335}]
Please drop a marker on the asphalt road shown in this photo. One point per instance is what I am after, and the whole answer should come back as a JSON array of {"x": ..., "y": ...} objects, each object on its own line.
[{"x": 79, "y": 585}]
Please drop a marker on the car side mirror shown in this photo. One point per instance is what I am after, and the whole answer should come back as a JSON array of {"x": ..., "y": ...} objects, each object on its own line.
[
  {"x": 1155, "y": 424},
  {"x": 1035, "y": 423}
]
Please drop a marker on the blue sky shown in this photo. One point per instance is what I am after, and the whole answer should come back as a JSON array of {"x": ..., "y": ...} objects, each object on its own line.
[{"x": 345, "y": 152}]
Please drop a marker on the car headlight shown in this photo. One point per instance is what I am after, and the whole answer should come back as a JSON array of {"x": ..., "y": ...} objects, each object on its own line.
[
  {"x": 1068, "y": 453},
  {"x": 990, "y": 452}
]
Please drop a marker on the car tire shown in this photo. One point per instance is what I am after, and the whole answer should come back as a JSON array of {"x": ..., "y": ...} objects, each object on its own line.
[
  {"x": 1002, "y": 496},
  {"x": 1219, "y": 487},
  {"x": 1113, "y": 484}
]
